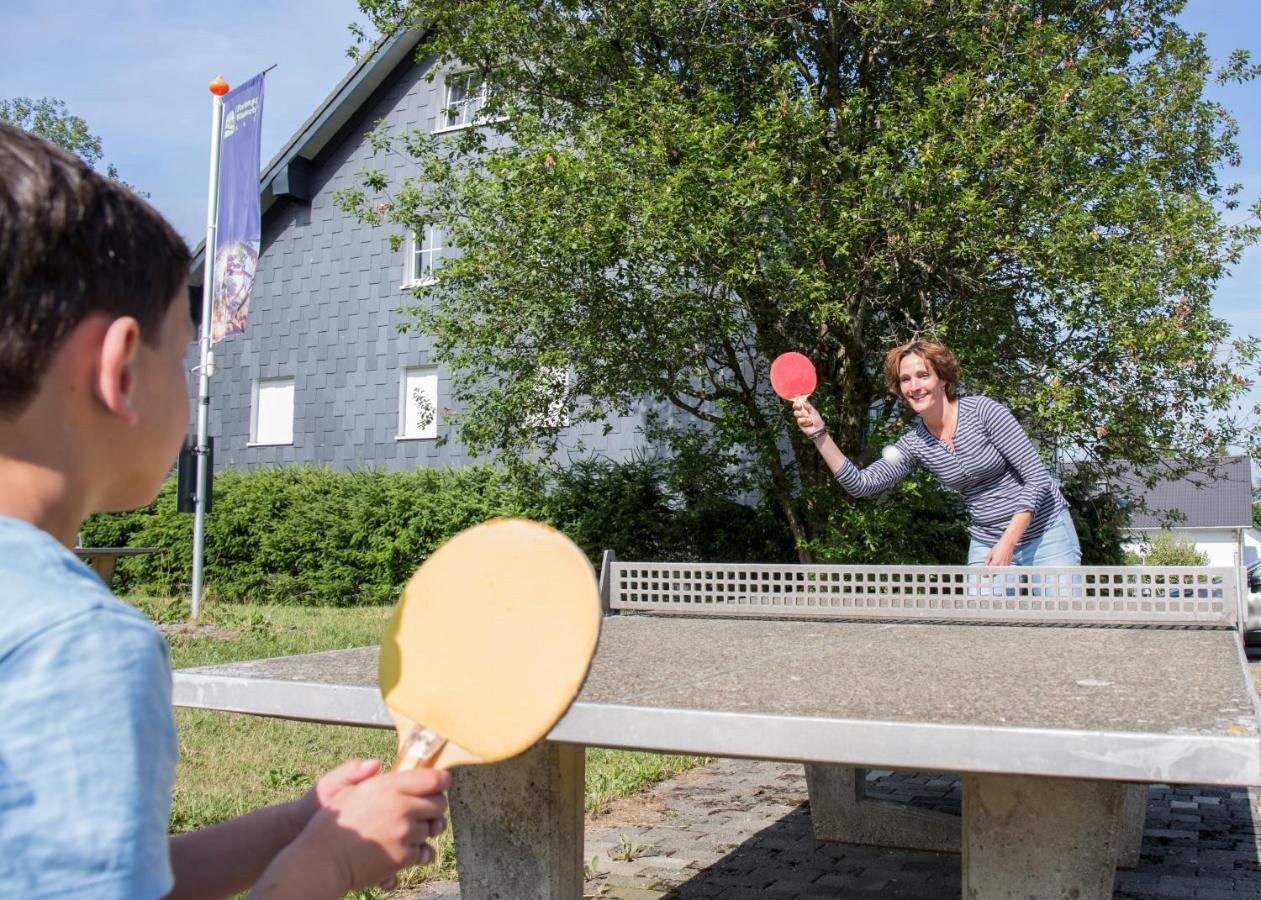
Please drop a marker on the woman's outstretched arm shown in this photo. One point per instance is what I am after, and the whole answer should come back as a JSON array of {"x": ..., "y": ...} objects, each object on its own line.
[{"x": 877, "y": 477}]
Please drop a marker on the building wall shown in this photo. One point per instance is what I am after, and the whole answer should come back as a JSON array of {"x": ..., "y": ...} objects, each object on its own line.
[{"x": 323, "y": 312}]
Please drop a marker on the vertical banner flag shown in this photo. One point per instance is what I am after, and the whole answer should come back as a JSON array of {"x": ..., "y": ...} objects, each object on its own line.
[{"x": 238, "y": 238}]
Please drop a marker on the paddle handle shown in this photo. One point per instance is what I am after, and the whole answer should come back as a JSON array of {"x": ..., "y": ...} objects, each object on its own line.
[{"x": 418, "y": 750}]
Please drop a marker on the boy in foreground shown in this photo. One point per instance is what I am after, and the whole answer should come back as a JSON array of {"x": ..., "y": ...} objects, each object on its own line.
[{"x": 94, "y": 323}]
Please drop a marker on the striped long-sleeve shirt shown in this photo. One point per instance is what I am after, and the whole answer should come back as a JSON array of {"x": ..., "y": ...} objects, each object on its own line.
[{"x": 993, "y": 465}]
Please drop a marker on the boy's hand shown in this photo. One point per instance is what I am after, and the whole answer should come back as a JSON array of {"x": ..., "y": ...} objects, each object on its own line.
[
  {"x": 331, "y": 783},
  {"x": 361, "y": 835}
]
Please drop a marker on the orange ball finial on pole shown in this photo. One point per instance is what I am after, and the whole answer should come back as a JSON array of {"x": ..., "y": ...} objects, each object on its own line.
[{"x": 218, "y": 87}]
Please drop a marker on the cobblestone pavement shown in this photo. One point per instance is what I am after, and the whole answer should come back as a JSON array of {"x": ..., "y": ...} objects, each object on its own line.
[{"x": 738, "y": 829}]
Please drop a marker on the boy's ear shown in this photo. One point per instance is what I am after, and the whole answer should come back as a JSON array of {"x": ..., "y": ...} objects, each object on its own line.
[{"x": 116, "y": 370}]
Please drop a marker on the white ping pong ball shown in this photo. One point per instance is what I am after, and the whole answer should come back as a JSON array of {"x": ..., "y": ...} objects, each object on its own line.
[{"x": 892, "y": 455}]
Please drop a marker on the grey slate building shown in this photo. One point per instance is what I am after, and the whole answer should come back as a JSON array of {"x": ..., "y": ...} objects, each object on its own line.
[{"x": 322, "y": 374}]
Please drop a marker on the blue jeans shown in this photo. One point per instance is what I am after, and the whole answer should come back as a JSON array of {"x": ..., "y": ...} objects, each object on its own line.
[{"x": 1057, "y": 546}]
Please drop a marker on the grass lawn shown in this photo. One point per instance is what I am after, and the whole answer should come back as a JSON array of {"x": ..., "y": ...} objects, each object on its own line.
[{"x": 230, "y": 764}]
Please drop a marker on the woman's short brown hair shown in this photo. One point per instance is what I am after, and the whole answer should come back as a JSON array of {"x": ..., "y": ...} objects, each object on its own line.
[{"x": 939, "y": 359}]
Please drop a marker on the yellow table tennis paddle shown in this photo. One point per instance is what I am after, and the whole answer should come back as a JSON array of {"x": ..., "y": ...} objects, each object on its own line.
[{"x": 489, "y": 644}]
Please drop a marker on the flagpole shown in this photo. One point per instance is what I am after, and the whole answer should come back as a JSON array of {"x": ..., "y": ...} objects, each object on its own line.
[{"x": 218, "y": 88}]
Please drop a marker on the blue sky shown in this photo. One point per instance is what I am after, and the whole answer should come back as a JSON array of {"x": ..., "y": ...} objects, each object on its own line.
[
  {"x": 137, "y": 71},
  {"x": 1230, "y": 25}
]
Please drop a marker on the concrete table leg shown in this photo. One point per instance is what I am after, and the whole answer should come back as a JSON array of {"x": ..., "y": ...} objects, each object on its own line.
[
  {"x": 1025, "y": 836},
  {"x": 842, "y": 812},
  {"x": 518, "y": 825},
  {"x": 104, "y": 566},
  {"x": 1133, "y": 821}
]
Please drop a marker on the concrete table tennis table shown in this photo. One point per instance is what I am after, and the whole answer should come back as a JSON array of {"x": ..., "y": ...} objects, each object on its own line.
[
  {"x": 1053, "y": 692},
  {"x": 103, "y": 559}
]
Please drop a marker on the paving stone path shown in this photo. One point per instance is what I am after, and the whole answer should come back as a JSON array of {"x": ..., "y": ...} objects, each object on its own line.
[{"x": 737, "y": 829}]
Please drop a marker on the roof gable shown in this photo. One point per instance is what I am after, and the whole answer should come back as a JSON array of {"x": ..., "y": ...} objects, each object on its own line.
[{"x": 1218, "y": 494}]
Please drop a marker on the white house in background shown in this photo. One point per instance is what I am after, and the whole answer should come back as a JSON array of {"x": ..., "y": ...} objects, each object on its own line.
[{"x": 1211, "y": 508}]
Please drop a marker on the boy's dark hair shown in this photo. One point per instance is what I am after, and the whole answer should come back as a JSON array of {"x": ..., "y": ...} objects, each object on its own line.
[{"x": 72, "y": 243}]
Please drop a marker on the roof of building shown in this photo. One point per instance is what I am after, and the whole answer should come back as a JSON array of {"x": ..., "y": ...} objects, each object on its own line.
[{"x": 1217, "y": 494}]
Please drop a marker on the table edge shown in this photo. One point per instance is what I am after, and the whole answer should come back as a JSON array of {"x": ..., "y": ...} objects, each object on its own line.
[{"x": 1099, "y": 755}]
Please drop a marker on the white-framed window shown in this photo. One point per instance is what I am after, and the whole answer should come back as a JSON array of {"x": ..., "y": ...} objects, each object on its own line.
[
  {"x": 425, "y": 253},
  {"x": 271, "y": 412},
  {"x": 418, "y": 404},
  {"x": 466, "y": 95},
  {"x": 553, "y": 389}
]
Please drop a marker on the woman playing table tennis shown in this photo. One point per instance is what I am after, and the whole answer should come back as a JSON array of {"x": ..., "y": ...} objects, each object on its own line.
[{"x": 974, "y": 446}]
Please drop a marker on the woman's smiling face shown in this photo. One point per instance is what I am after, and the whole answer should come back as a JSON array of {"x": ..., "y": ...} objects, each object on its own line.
[{"x": 919, "y": 383}]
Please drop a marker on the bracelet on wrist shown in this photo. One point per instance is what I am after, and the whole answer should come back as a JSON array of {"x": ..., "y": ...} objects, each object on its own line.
[{"x": 815, "y": 435}]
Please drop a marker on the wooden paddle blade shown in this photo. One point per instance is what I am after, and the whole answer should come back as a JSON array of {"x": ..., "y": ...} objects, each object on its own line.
[{"x": 492, "y": 639}]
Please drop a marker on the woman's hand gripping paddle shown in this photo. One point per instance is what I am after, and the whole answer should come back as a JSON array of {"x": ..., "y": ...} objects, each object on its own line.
[
  {"x": 489, "y": 644},
  {"x": 793, "y": 377}
]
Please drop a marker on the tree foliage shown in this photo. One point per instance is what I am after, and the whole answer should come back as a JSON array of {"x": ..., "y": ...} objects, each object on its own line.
[
  {"x": 668, "y": 193},
  {"x": 1165, "y": 548},
  {"x": 49, "y": 118}
]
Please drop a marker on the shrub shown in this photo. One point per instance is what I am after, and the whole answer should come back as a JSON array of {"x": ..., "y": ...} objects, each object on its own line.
[
  {"x": 916, "y": 522},
  {"x": 308, "y": 535},
  {"x": 311, "y": 536},
  {"x": 1168, "y": 549},
  {"x": 1100, "y": 517},
  {"x": 647, "y": 509}
]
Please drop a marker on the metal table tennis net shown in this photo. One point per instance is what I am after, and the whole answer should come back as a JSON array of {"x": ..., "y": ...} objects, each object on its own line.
[{"x": 1170, "y": 596}]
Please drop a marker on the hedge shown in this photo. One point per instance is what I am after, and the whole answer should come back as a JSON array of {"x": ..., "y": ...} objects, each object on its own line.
[{"x": 312, "y": 536}]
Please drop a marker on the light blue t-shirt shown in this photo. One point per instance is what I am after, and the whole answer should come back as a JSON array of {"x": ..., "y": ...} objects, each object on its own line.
[{"x": 87, "y": 739}]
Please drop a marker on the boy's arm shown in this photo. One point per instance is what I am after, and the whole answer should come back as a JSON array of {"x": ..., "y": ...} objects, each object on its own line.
[
  {"x": 228, "y": 858},
  {"x": 250, "y": 842},
  {"x": 350, "y": 830},
  {"x": 360, "y": 837}
]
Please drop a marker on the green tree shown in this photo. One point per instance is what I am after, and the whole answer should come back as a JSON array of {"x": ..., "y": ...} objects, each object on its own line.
[
  {"x": 666, "y": 194},
  {"x": 49, "y": 118},
  {"x": 1169, "y": 549}
]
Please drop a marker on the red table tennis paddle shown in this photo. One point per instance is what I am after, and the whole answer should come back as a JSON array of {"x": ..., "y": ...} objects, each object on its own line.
[
  {"x": 489, "y": 644},
  {"x": 793, "y": 377}
]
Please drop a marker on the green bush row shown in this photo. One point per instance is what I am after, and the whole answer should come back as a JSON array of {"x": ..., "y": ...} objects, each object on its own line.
[{"x": 311, "y": 536}]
